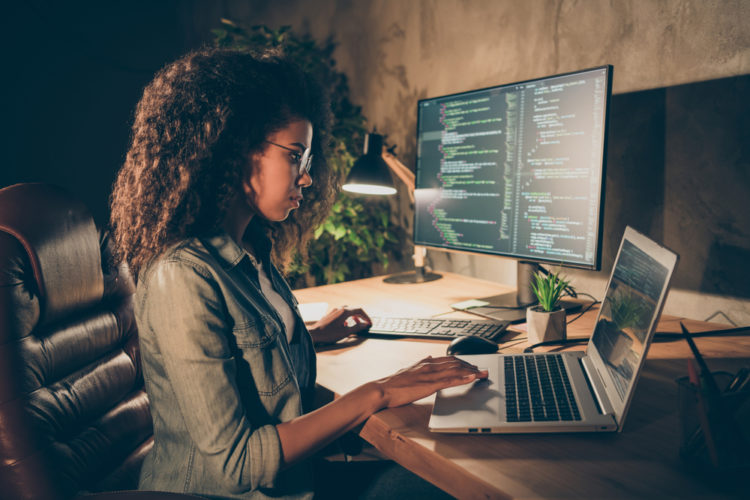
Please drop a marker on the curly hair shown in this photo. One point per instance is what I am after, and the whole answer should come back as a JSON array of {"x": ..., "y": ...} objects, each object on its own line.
[{"x": 195, "y": 126}]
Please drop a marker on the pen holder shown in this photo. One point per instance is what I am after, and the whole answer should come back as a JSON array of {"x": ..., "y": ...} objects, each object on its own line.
[{"x": 715, "y": 432}]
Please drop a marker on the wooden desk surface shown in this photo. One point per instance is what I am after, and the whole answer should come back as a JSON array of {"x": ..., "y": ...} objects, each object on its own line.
[{"x": 640, "y": 462}]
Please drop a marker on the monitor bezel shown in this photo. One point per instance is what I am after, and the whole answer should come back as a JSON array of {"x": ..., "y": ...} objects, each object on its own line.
[{"x": 596, "y": 265}]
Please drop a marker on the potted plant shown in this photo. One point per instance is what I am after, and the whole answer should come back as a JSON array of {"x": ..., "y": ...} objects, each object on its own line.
[{"x": 546, "y": 320}]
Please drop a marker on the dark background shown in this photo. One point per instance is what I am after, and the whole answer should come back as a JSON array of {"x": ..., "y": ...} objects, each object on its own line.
[
  {"x": 75, "y": 75},
  {"x": 678, "y": 170}
]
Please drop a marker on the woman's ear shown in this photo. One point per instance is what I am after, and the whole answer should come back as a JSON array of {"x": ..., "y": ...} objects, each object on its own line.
[{"x": 246, "y": 181}]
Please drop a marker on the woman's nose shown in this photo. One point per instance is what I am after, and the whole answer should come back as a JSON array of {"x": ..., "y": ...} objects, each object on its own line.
[{"x": 305, "y": 180}]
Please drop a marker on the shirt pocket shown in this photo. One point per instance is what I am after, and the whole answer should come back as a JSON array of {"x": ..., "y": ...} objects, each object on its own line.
[
  {"x": 260, "y": 345},
  {"x": 256, "y": 333}
]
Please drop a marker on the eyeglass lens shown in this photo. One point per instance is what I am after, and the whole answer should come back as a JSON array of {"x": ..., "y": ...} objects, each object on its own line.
[{"x": 305, "y": 160}]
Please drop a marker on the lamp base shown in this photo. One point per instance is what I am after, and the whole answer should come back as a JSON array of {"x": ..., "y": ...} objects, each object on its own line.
[{"x": 417, "y": 276}]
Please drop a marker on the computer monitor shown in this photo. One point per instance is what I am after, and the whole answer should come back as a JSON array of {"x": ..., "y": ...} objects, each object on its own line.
[{"x": 517, "y": 171}]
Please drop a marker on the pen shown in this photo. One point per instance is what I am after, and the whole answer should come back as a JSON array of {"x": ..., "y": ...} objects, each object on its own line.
[
  {"x": 708, "y": 378},
  {"x": 708, "y": 402},
  {"x": 741, "y": 381},
  {"x": 736, "y": 380},
  {"x": 693, "y": 443},
  {"x": 692, "y": 374}
]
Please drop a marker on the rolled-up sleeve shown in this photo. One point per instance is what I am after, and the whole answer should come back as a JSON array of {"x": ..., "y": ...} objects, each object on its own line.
[{"x": 187, "y": 317}]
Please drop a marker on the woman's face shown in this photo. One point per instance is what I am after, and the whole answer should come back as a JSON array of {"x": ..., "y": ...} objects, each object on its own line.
[{"x": 274, "y": 179}]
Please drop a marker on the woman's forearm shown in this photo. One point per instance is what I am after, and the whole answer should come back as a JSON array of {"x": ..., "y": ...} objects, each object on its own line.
[{"x": 304, "y": 435}]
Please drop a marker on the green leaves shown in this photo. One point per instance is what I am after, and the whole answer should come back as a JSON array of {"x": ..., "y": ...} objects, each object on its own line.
[
  {"x": 626, "y": 310},
  {"x": 356, "y": 235},
  {"x": 548, "y": 289}
]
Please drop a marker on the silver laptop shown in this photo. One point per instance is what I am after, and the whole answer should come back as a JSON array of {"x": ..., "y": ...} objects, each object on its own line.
[{"x": 571, "y": 391}]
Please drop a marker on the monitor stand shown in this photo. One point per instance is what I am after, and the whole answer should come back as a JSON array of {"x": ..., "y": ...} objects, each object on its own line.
[{"x": 512, "y": 306}]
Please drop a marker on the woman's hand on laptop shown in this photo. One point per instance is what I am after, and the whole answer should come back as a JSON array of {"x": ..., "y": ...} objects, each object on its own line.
[{"x": 426, "y": 377}]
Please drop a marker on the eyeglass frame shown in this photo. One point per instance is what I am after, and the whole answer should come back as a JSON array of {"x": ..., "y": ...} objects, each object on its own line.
[{"x": 304, "y": 159}]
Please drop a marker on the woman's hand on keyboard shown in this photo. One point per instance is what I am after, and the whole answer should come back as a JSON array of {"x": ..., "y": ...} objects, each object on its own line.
[{"x": 339, "y": 323}]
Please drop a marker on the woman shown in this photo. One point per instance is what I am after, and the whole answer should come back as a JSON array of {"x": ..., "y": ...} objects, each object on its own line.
[{"x": 223, "y": 145}]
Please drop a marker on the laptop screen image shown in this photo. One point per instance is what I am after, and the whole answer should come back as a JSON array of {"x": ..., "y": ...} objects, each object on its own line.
[
  {"x": 632, "y": 304},
  {"x": 626, "y": 315}
]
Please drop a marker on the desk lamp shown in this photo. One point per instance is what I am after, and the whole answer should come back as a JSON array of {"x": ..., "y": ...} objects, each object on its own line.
[{"x": 369, "y": 175}]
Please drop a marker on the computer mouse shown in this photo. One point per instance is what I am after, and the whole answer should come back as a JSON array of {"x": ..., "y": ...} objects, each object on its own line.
[{"x": 471, "y": 344}]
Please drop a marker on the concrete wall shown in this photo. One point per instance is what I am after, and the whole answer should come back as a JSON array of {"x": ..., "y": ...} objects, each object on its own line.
[
  {"x": 679, "y": 161},
  {"x": 396, "y": 51},
  {"x": 679, "y": 165}
]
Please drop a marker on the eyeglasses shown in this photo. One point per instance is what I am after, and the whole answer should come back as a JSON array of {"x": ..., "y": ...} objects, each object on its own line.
[{"x": 303, "y": 160}]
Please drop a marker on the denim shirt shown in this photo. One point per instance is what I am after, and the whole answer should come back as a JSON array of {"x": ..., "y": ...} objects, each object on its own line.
[{"x": 220, "y": 373}]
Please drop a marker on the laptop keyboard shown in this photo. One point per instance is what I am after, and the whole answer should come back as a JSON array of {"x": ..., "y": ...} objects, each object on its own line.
[
  {"x": 438, "y": 328},
  {"x": 537, "y": 389}
]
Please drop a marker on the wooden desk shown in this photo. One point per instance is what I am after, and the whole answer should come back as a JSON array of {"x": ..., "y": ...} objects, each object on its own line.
[{"x": 640, "y": 462}]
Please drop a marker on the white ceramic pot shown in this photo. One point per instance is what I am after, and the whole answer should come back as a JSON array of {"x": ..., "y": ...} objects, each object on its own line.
[{"x": 543, "y": 326}]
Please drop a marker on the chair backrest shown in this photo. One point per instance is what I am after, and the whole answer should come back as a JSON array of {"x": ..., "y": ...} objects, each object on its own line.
[{"x": 73, "y": 413}]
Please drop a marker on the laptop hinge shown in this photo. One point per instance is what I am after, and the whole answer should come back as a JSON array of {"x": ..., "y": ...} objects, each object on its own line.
[{"x": 596, "y": 386}]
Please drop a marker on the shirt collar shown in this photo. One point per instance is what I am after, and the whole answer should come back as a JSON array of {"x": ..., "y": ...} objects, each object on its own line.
[{"x": 232, "y": 253}]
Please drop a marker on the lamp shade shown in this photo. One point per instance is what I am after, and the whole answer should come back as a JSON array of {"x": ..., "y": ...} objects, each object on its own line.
[{"x": 370, "y": 173}]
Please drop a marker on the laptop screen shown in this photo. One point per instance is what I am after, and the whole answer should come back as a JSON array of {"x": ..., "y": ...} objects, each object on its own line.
[{"x": 627, "y": 313}]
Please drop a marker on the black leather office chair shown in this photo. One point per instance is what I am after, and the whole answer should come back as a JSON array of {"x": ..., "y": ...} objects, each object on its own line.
[{"x": 73, "y": 414}]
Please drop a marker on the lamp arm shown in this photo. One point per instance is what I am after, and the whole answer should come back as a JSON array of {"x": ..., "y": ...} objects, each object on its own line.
[
  {"x": 409, "y": 179},
  {"x": 402, "y": 172}
]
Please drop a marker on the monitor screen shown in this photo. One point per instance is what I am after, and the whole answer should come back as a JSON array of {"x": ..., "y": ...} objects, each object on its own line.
[{"x": 516, "y": 170}]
